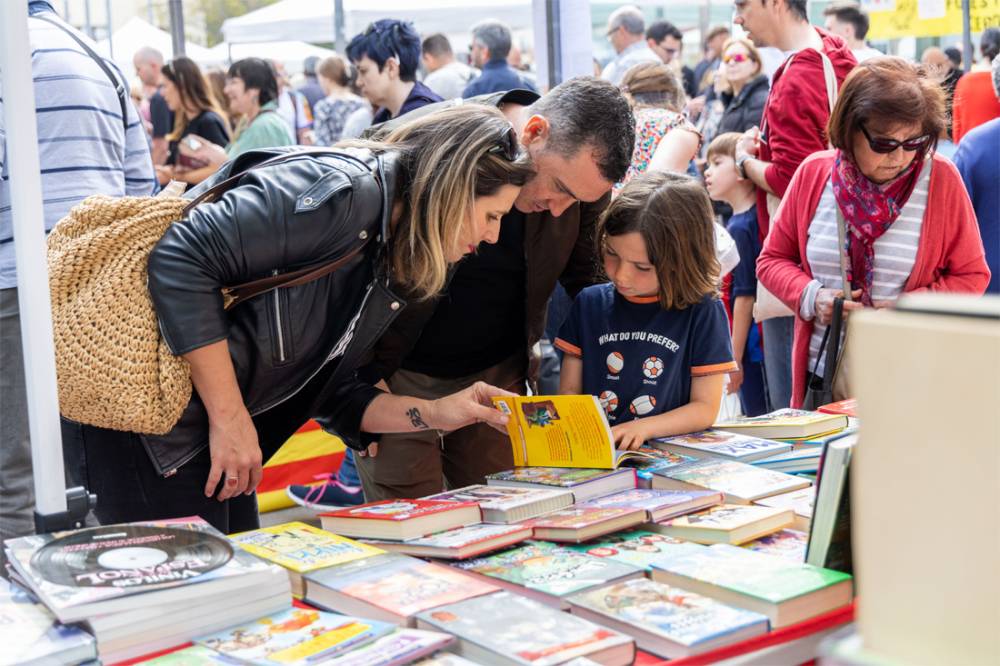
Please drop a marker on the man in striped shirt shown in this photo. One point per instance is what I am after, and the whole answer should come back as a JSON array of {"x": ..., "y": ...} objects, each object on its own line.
[{"x": 85, "y": 148}]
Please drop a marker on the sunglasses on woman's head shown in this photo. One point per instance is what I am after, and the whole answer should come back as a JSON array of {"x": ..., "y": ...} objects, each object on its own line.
[
  {"x": 736, "y": 57},
  {"x": 886, "y": 146},
  {"x": 506, "y": 144}
]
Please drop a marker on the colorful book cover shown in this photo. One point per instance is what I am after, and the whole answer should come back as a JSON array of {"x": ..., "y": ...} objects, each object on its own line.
[
  {"x": 752, "y": 573},
  {"x": 654, "y": 459},
  {"x": 682, "y": 617},
  {"x": 400, "y": 647},
  {"x": 301, "y": 547},
  {"x": 445, "y": 659},
  {"x": 799, "y": 501},
  {"x": 738, "y": 481},
  {"x": 725, "y": 444},
  {"x": 724, "y": 517},
  {"x": 638, "y": 548},
  {"x": 499, "y": 498},
  {"x": 847, "y": 407},
  {"x": 787, "y": 423},
  {"x": 30, "y": 633},
  {"x": 196, "y": 655},
  {"x": 652, "y": 500},
  {"x": 461, "y": 537},
  {"x": 578, "y": 517},
  {"x": 399, "y": 584},
  {"x": 786, "y": 544},
  {"x": 785, "y": 416},
  {"x": 559, "y": 477},
  {"x": 518, "y": 628},
  {"x": 295, "y": 637},
  {"x": 548, "y": 568},
  {"x": 395, "y": 510}
]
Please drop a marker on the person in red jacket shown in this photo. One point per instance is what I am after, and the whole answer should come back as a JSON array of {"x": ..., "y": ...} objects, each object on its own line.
[
  {"x": 792, "y": 128},
  {"x": 885, "y": 180}
]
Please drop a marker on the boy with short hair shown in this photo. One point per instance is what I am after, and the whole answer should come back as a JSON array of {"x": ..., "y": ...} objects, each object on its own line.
[{"x": 724, "y": 184}]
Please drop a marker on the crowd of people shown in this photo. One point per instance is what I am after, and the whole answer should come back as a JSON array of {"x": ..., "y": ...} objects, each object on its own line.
[{"x": 495, "y": 239}]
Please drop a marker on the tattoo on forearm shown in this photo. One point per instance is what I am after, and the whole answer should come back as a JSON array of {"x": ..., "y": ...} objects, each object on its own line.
[{"x": 416, "y": 420}]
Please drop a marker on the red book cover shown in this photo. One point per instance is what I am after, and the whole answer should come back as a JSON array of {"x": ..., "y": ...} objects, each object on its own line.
[
  {"x": 847, "y": 407},
  {"x": 579, "y": 517},
  {"x": 398, "y": 510}
]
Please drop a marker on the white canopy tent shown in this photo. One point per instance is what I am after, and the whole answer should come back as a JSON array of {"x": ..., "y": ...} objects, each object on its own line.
[
  {"x": 312, "y": 20},
  {"x": 291, "y": 54},
  {"x": 137, "y": 33}
]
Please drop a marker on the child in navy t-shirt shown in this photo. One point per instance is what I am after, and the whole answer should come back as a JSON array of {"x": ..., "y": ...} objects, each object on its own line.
[{"x": 653, "y": 345}]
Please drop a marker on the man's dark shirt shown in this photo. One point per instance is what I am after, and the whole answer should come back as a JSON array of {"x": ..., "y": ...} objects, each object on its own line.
[
  {"x": 420, "y": 96},
  {"x": 497, "y": 76}
]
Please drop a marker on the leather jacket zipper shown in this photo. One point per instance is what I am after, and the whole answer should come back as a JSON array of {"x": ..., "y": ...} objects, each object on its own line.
[{"x": 277, "y": 323}]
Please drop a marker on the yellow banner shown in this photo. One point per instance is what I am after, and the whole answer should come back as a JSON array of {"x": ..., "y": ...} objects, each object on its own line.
[{"x": 892, "y": 19}]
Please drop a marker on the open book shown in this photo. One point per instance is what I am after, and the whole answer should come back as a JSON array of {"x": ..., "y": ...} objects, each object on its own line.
[{"x": 561, "y": 431}]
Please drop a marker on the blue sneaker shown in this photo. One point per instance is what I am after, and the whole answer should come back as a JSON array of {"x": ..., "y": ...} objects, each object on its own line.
[{"x": 326, "y": 496}]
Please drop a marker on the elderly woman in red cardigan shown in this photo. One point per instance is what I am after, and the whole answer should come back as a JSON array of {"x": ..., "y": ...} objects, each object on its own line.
[{"x": 908, "y": 222}]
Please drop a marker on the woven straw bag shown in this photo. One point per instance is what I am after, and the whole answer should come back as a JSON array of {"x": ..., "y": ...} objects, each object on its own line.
[{"x": 114, "y": 369}]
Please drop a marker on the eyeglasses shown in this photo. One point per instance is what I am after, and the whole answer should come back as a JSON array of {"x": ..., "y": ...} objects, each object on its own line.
[
  {"x": 736, "y": 57},
  {"x": 886, "y": 146},
  {"x": 506, "y": 145}
]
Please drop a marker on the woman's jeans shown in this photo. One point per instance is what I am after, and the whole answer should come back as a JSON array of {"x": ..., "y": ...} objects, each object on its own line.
[{"x": 778, "y": 334}]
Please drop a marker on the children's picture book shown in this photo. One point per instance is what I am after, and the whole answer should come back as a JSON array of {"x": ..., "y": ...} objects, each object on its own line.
[
  {"x": 560, "y": 431},
  {"x": 667, "y": 621},
  {"x": 652, "y": 460},
  {"x": 400, "y": 519},
  {"x": 785, "y": 423},
  {"x": 547, "y": 572},
  {"x": 739, "y": 482},
  {"x": 726, "y": 523},
  {"x": 799, "y": 501},
  {"x": 722, "y": 444},
  {"x": 461, "y": 542},
  {"x": 403, "y": 646},
  {"x": 500, "y": 504},
  {"x": 639, "y": 548},
  {"x": 784, "y": 591},
  {"x": 296, "y": 637},
  {"x": 300, "y": 547},
  {"x": 585, "y": 484},
  {"x": 847, "y": 407},
  {"x": 658, "y": 504},
  {"x": 787, "y": 544},
  {"x": 582, "y": 523},
  {"x": 196, "y": 655},
  {"x": 390, "y": 587},
  {"x": 29, "y": 633},
  {"x": 506, "y": 628}
]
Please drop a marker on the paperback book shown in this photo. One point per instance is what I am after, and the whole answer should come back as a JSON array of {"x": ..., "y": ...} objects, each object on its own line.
[
  {"x": 740, "y": 483},
  {"x": 508, "y": 505},
  {"x": 667, "y": 621},
  {"x": 722, "y": 444},
  {"x": 403, "y": 646},
  {"x": 585, "y": 484},
  {"x": 461, "y": 542},
  {"x": 29, "y": 633},
  {"x": 582, "y": 523},
  {"x": 654, "y": 459},
  {"x": 391, "y": 587},
  {"x": 506, "y": 628},
  {"x": 783, "y": 591},
  {"x": 785, "y": 423},
  {"x": 658, "y": 504},
  {"x": 800, "y": 460},
  {"x": 726, "y": 523},
  {"x": 300, "y": 548},
  {"x": 297, "y": 637},
  {"x": 799, "y": 501},
  {"x": 400, "y": 519},
  {"x": 547, "y": 572},
  {"x": 847, "y": 407},
  {"x": 639, "y": 548},
  {"x": 560, "y": 431},
  {"x": 830, "y": 530},
  {"x": 787, "y": 544}
]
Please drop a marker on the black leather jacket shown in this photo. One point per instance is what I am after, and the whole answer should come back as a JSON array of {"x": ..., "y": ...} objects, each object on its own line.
[
  {"x": 745, "y": 110},
  {"x": 304, "y": 212}
]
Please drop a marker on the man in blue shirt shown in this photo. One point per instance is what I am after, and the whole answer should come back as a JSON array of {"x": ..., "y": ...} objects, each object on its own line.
[
  {"x": 85, "y": 147},
  {"x": 490, "y": 47}
]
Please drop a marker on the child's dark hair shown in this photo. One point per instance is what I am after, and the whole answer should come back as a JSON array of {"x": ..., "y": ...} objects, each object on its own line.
[{"x": 673, "y": 214}]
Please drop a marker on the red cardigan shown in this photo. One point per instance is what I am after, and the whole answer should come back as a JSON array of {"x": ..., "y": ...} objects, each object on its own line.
[{"x": 950, "y": 256}]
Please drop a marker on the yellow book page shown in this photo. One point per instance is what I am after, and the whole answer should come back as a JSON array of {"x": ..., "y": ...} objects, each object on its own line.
[
  {"x": 558, "y": 431},
  {"x": 301, "y": 547}
]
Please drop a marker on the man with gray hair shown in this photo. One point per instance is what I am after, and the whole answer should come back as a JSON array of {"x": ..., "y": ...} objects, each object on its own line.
[
  {"x": 148, "y": 62},
  {"x": 490, "y": 46},
  {"x": 627, "y": 34}
]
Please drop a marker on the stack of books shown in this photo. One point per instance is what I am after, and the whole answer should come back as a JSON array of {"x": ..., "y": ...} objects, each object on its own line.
[
  {"x": 30, "y": 633},
  {"x": 142, "y": 587}
]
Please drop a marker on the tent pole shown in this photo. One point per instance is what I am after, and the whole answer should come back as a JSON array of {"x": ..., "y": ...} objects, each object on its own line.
[
  {"x": 339, "y": 38},
  {"x": 969, "y": 56},
  {"x": 111, "y": 41},
  {"x": 177, "y": 27},
  {"x": 33, "y": 279}
]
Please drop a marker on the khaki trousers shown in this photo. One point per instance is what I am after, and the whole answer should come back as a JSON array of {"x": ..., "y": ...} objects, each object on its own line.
[{"x": 417, "y": 464}]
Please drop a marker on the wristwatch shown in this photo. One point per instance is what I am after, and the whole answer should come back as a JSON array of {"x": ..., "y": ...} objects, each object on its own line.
[{"x": 741, "y": 165}]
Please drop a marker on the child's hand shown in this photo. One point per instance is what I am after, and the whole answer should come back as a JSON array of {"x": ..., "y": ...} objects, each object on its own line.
[
  {"x": 630, "y": 435},
  {"x": 735, "y": 381}
]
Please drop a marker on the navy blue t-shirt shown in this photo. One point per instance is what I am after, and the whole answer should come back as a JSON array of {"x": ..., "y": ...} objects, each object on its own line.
[
  {"x": 743, "y": 228},
  {"x": 639, "y": 358}
]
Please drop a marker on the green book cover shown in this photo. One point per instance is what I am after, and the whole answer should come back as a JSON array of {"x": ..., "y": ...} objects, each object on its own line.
[
  {"x": 748, "y": 572},
  {"x": 638, "y": 547}
]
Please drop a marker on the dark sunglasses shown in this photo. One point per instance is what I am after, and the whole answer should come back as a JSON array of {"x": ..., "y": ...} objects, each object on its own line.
[
  {"x": 886, "y": 146},
  {"x": 506, "y": 145}
]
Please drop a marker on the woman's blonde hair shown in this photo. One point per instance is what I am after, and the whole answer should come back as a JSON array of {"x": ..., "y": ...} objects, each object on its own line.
[
  {"x": 449, "y": 158},
  {"x": 673, "y": 214},
  {"x": 654, "y": 84},
  {"x": 726, "y": 86}
]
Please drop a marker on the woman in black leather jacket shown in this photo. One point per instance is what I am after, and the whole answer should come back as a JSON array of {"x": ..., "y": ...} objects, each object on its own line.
[
  {"x": 745, "y": 86},
  {"x": 396, "y": 214}
]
